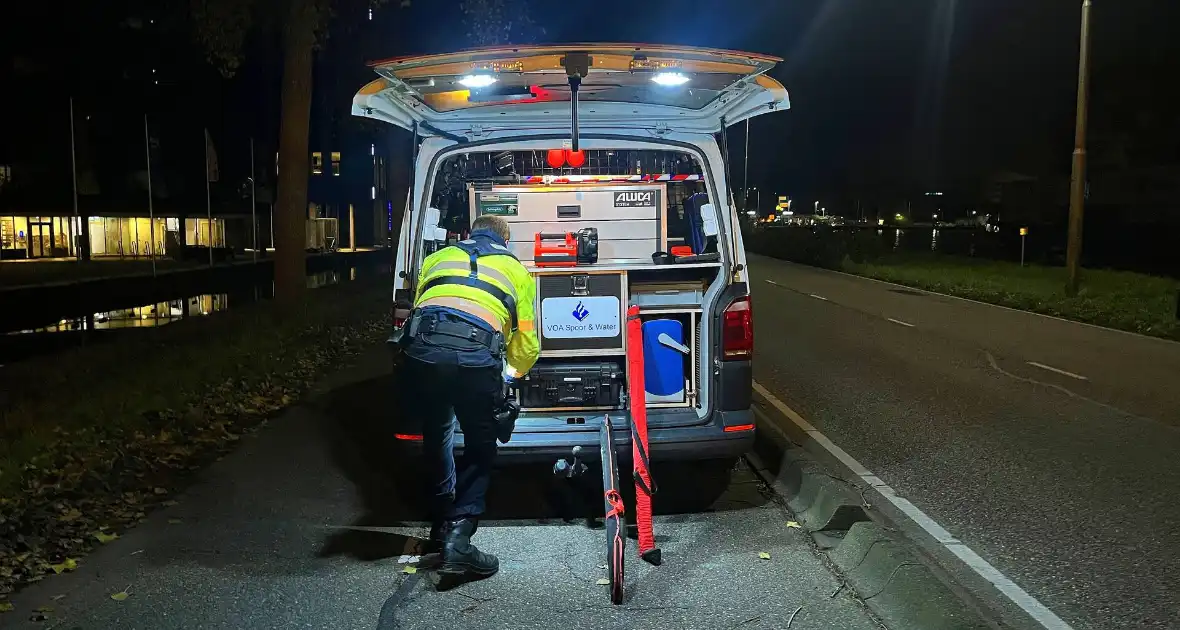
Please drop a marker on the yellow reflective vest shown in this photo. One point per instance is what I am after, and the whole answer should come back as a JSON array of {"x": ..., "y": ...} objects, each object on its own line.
[{"x": 504, "y": 273}]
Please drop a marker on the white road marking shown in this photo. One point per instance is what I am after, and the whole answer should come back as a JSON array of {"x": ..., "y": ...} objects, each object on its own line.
[
  {"x": 818, "y": 297},
  {"x": 1029, "y": 604},
  {"x": 898, "y": 321},
  {"x": 774, "y": 283},
  {"x": 1072, "y": 394},
  {"x": 1053, "y": 369}
]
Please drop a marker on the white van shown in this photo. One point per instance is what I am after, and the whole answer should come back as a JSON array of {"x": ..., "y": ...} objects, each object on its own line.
[{"x": 622, "y": 140}]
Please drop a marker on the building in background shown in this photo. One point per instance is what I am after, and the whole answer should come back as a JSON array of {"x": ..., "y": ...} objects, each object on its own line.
[{"x": 74, "y": 177}]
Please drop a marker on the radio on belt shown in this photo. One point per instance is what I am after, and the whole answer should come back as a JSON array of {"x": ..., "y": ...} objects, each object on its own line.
[{"x": 568, "y": 249}]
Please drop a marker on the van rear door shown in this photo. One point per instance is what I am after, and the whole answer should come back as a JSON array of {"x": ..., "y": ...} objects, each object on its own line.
[{"x": 494, "y": 92}]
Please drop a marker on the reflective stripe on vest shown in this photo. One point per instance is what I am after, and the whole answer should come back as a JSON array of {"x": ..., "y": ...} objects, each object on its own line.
[
  {"x": 483, "y": 270},
  {"x": 508, "y": 301}
]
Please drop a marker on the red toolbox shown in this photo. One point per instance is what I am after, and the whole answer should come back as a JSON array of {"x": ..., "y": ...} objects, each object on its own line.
[{"x": 556, "y": 250}]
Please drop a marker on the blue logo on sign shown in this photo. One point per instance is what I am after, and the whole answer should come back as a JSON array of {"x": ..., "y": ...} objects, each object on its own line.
[{"x": 580, "y": 312}]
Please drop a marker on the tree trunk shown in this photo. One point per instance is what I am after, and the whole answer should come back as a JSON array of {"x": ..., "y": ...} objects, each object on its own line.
[{"x": 294, "y": 128}]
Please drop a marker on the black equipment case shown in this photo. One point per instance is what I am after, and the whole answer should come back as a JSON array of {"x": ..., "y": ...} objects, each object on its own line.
[{"x": 572, "y": 385}]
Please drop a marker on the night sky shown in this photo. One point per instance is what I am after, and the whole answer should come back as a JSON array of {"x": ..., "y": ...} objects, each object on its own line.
[
  {"x": 894, "y": 97},
  {"x": 888, "y": 98}
]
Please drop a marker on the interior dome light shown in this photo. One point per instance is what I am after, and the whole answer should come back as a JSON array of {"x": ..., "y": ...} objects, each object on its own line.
[
  {"x": 477, "y": 80},
  {"x": 670, "y": 79}
]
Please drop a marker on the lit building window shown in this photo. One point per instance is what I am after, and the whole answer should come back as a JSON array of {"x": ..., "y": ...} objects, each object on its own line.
[
  {"x": 317, "y": 163},
  {"x": 336, "y": 163}
]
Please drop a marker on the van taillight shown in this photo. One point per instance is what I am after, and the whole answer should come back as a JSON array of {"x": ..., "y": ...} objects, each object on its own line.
[{"x": 737, "y": 330}]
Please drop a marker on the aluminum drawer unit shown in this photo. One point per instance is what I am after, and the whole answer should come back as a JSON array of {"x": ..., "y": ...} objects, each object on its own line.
[
  {"x": 630, "y": 219},
  {"x": 581, "y": 313}
]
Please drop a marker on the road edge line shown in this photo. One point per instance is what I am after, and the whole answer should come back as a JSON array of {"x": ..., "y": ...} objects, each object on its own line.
[{"x": 1032, "y": 607}]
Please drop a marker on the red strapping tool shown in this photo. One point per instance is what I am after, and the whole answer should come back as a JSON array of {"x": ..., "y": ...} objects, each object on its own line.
[{"x": 644, "y": 486}]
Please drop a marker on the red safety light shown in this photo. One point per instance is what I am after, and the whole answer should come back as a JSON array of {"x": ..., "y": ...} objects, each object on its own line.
[
  {"x": 575, "y": 158},
  {"x": 739, "y": 427},
  {"x": 737, "y": 330},
  {"x": 556, "y": 158},
  {"x": 400, "y": 315},
  {"x": 413, "y": 437}
]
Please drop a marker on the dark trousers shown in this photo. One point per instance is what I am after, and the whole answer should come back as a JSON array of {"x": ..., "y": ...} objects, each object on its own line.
[{"x": 440, "y": 394}]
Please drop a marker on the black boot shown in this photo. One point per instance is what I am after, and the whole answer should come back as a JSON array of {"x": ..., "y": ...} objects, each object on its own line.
[
  {"x": 434, "y": 544},
  {"x": 459, "y": 556}
]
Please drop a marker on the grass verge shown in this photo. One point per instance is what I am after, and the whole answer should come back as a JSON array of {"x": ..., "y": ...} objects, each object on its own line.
[
  {"x": 93, "y": 438},
  {"x": 1116, "y": 299}
]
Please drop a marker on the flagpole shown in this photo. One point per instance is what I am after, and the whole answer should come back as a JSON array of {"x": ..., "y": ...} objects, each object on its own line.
[
  {"x": 147, "y": 145},
  {"x": 253, "y": 206},
  {"x": 208, "y": 199},
  {"x": 74, "y": 169}
]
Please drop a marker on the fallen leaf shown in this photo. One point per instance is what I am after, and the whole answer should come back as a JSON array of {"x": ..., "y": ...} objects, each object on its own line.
[
  {"x": 602, "y": 582},
  {"x": 170, "y": 503},
  {"x": 57, "y": 597},
  {"x": 44, "y": 609},
  {"x": 174, "y": 521},
  {"x": 105, "y": 538},
  {"x": 160, "y": 491},
  {"x": 793, "y": 524},
  {"x": 120, "y": 596},
  {"x": 763, "y": 555},
  {"x": 72, "y": 515},
  {"x": 6, "y": 607},
  {"x": 69, "y": 565},
  {"x": 408, "y": 569}
]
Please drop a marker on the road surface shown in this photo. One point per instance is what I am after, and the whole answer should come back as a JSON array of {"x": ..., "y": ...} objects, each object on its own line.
[
  {"x": 1051, "y": 448},
  {"x": 302, "y": 528}
]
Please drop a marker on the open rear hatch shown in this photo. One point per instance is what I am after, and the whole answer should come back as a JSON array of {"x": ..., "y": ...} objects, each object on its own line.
[{"x": 622, "y": 86}]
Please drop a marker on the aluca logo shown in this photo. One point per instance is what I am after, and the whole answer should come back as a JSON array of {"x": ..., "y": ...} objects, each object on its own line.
[{"x": 635, "y": 198}]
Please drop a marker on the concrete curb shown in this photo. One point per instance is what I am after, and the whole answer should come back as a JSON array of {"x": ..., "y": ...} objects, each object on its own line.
[
  {"x": 891, "y": 579},
  {"x": 896, "y": 585}
]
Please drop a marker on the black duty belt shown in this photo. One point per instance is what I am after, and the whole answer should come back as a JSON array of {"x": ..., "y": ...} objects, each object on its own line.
[{"x": 462, "y": 330}]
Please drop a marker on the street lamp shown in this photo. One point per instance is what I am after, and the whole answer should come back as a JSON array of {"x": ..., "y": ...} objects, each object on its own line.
[{"x": 1077, "y": 184}]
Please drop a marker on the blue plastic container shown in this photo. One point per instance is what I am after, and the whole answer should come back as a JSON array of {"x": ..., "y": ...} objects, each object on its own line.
[{"x": 663, "y": 360}]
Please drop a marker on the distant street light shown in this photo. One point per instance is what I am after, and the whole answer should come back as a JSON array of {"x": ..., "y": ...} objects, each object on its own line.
[{"x": 1077, "y": 184}]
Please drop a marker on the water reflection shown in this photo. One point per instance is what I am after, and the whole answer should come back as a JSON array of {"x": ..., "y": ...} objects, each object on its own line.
[
  {"x": 165, "y": 312},
  {"x": 146, "y": 316},
  {"x": 934, "y": 240}
]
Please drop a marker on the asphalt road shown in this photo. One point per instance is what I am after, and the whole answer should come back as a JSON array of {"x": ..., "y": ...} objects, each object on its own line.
[
  {"x": 303, "y": 527},
  {"x": 1051, "y": 448}
]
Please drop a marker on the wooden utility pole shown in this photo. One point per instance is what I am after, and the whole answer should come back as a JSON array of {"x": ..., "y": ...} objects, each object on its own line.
[{"x": 1077, "y": 187}]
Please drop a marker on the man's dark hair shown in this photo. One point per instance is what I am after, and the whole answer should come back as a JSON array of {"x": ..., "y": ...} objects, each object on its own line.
[{"x": 494, "y": 223}]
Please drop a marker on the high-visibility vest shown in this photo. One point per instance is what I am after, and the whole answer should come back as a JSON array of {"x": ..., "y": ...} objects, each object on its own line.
[{"x": 484, "y": 279}]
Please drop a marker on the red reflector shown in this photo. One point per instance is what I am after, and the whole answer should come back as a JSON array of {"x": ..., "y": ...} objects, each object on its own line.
[
  {"x": 418, "y": 438},
  {"x": 739, "y": 427},
  {"x": 737, "y": 330}
]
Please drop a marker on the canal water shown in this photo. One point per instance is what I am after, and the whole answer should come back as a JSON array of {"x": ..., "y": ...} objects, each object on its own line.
[{"x": 26, "y": 334}]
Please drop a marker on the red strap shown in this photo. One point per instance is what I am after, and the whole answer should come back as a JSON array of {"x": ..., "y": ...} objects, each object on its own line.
[{"x": 616, "y": 504}]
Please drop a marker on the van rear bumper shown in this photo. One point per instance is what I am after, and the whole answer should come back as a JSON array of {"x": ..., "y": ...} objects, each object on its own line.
[{"x": 688, "y": 443}]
